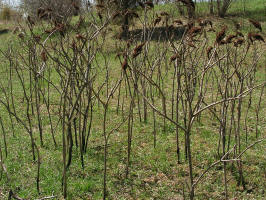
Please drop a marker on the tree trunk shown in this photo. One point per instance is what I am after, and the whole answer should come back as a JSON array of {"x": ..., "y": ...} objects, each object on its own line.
[
  {"x": 222, "y": 9},
  {"x": 211, "y": 6}
]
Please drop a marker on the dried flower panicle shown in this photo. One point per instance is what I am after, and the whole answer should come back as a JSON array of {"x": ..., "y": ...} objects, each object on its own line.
[
  {"x": 115, "y": 15},
  {"x": 149, "y": 3},
  {"x": 194, "y": 31},
  {"x": 44, "y": 56},
  {"x": 178, "y": 21},
  {"x": 256, "y": 24},
  {"x": 229, "y": 38},
  {"x": 80, "y": 22},
  {"x": 80, "y": 37},
  {"x": 211, "y": 30},
  {"x": 37, "y": 38},
  {"x": 137, "y": 50},
  {"x": 16, "y": 29},
  {"x": 237, "y": 25},
  {"x": 21, "y": 35},
  {"x": 99, "y": 6},
  {"x": 255, "y": 36},
  {"x": 188, "y": 3},
  {"x": 174, "y": 57},
  {"x": 238, "y": 33},
  {"x": 239, "y": 42},
  {"x": 125, "y": 64},
  {"x": 220, "y": 36},
  {"x": 157, "y": 21},
  {"x": 208, "y": 51},
  {"x": 75, "y": 5},
  {"x": 258, "y": 37},
  {"x": 190, "y": 43},
  {"x": 30, "y": 20},
  {"x": 163, "y": 13},
  {"x": 141, "y": 4}
]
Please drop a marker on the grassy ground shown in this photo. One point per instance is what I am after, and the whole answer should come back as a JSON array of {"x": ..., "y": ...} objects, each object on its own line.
[{"x": 155, "y": 173}]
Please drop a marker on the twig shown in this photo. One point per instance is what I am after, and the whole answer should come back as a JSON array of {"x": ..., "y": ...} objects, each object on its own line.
[{"x": 49, "y": 197}]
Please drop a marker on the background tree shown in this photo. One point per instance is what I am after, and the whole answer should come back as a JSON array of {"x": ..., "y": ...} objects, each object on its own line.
[
  {"x": 5, "y": 13},
  {"x": 124, "y": 10},
  {"x": 190, "y": 5},
  {"x": 60, "y": 8},
  {"x": 222, "y": 7}
]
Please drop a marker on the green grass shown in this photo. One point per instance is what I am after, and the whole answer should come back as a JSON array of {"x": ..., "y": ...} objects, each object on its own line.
[{"x": 154, "y": 173}]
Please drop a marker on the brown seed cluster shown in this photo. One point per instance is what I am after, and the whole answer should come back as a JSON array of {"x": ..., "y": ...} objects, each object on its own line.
[
  {"x": 178, "y": 21},
  {"x": 239, "y": 42},
  {"x": 157, "y": 21},
  {"x": 220, "y": 35},
  {"x": 176, "y": 57},
  {"x": 194, "y": 31},
  {"x": 208, "y": 51},
  {"x": 255, "y": 36},
  {"x": 44, "y": 56},
  {"x": 137, "y": 50},
  {"x": 149, "y": 4},
  {"x": 256, "y": 24},
  {"x": 125, "y": 64}
]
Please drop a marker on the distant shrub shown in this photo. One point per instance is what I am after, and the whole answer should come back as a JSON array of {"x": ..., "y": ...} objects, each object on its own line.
[{"x": 5, "y": 13}]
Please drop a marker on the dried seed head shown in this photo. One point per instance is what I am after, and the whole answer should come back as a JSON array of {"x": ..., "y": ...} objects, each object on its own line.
[
  {"x": 141, "y": 4},
  {"x": 74, "y": 4},
  {"x": 190, "y": 24},
  {"x": 131, "y": 14},
  {"x": 121, "y": 54},
  {"x": 139, "y": 47},
  {"x": 31, "y": 22},
  {"x": 188, "y": 3},
  {"x": 178, "y": 21},
  {"x": 190, "y": 43},
  {"x": 239, "y": 34},
  {"x": 125, "y": 64},
  {"x": 16, "y": 29},
  {"x": 194, "y": 31},
  {"x": 115, "y": 15},
  {"x": 80, "y": 37},
  {"x": 135, "y": 53},
  {"x": 80, "y": 22},
  {"x": 100, "y": 15},
  {"x": 44, "y": 56},
  {"x": 21, "y": 35},
  {"x": 40, "y": 12},
  {"x": 37, "y": 38},
  {"x": 237, "y": 25},
  {"x": 74, "y": 45},
  {"x": 99, "y": 6},
  {"x": 203, "y": 23},
  {"x": 220, "y": 36},
  {"x": 211, "y": 30},
  {"x": 164, "y": 13},
  {"x": 207, "y": 21},
  {"x": 239, "y": 42},
  {"x": 149, "y": 3},
  {"x": 157, "y": 21},
  {"x": 222, "y": 42},
  {"x": 255, "y": 36},
  {"x": 258, "y": 37},
  {"x": 256, "y": 24},
  {"x": 230, "y": 38},
  {"x": 175, "y": 57},
  {"x": 250, "y": 37},
  {"x": 209, "y": 49}
]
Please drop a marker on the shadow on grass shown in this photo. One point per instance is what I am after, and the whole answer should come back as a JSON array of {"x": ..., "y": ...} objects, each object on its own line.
[
  {"x": 258, "y": 14},
  {"x": 155, "y": 34},
  {"x": 3, "y": 31}
]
